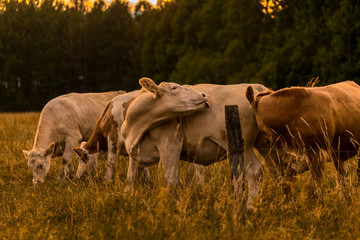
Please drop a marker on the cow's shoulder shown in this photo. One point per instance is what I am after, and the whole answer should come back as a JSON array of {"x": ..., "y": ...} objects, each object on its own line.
[
  {"x": 292, "y": 92},
  {"x": 121, "y": 104}
]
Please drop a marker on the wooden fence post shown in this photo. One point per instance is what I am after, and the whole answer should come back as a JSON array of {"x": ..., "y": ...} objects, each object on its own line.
[{"x": 235, "y": 155}]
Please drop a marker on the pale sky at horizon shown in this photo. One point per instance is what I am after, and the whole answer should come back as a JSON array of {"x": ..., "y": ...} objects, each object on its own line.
[{"x": 153, "y": 2}]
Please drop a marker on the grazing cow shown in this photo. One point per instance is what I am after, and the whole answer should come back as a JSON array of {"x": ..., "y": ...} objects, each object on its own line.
[
  {"x": 105, "y": 137},
  {"x": 199, "y": 137},
  {"x": 64, "y": 122},
  {"x": 311, "y": 119}
]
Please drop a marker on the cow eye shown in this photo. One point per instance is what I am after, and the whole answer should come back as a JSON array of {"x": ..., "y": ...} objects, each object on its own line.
[{"x": 175, "y": 87}]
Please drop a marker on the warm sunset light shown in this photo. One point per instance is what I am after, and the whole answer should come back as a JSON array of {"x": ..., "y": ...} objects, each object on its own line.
[{"x": 179, "y": 119}]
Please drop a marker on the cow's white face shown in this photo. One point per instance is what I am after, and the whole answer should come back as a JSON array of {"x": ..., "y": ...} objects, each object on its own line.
[
  {"x": 175, "y": 98},
  {"x": 39, "y": 162},
  {"x": 182, "y": 99}
]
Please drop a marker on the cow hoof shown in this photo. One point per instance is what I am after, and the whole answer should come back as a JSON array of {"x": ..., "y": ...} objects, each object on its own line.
[
  {"x": 128, "y": 189},
  {"x": 61, "y": 176},
  {"x": 108, "y": 181},
  {"x": 60, "y": 179}
]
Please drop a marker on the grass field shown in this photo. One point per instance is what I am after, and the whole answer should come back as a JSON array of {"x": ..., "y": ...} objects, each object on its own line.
[{"x": 89, "y": 209}]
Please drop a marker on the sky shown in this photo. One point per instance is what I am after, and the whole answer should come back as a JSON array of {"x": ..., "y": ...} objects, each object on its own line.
[{"x": 153, "y": 2}]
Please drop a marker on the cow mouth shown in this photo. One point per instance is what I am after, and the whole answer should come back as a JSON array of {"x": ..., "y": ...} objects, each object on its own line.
[{"x": 207, "y": 104}]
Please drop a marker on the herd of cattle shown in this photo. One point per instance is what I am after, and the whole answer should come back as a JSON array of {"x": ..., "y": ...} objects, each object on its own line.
[{"x": 169, "y": 122}]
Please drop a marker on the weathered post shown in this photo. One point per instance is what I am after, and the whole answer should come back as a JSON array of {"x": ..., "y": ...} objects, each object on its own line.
[{"x": 236, "y": 156}]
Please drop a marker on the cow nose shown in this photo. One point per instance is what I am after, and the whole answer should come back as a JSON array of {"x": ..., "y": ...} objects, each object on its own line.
[{"x": 207, "y": 105}]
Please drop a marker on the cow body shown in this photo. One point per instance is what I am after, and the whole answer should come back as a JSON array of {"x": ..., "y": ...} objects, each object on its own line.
[
  {"x": 105, "y": 137},
  {"x": 64, "y": 122},
  {"x": 201, "y": 136},
  {"x": 312, "y": 119}
]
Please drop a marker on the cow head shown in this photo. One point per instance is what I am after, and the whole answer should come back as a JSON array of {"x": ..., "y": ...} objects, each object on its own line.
[
  {"x": 156, "y": 104},
  {"x": 174, "y": 97},
  {"x": 255, "y": 103},
  {"x": 85, "y": 159},
  {"x": 39, "y": 162},
  {"x": 253, "y": 100}
]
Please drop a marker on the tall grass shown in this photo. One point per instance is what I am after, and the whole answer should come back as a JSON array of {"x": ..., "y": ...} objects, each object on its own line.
[{"x": 90, "y": 209}]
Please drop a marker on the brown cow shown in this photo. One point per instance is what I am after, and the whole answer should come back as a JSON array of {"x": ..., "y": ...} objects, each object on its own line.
[{"x": 311, "y": 119}]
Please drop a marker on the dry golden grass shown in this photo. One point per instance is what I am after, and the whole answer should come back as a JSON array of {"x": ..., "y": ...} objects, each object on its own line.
[{"x": 88, "y": 209}]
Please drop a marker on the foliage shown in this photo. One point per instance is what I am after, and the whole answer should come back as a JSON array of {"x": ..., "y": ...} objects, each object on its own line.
[
  {"x": 90, "y": 209},
  {"x": 48, "y": 48}
]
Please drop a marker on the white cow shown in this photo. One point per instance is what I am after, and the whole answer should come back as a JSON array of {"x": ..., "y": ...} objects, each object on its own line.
[
  {"x": 106, "y": 137},
  {"x": 152, "y": 106},
  {"x": 64, "y": 122},
  {"x": 199, "y": 137}
]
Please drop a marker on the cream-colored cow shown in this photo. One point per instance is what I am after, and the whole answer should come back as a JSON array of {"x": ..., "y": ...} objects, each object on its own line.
[
  {"x": 199, "y": 137},
  {"x": 64, "y": 122},
  {"x": 105, "y": 137}
]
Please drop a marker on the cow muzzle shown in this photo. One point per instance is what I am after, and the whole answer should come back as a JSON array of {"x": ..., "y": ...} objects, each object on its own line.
[
  {"x": 206, "y": 102},
  {"x": 36, "y": 181}
]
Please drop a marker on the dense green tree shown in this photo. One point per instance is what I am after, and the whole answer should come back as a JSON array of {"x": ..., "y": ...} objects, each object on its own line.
[
  {"x": 338, "y": 58},
  {"x": 48, "y": 48}
]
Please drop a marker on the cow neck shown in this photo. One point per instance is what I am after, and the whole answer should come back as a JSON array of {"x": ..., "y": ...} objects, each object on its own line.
[
  {"x": 43, "y": 136},
  {"x": 96, "y": 138},
  {"x": 136, "y": 125}
]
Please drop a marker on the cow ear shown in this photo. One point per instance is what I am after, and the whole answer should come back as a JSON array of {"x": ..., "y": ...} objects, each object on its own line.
[
  {"x": 26, "y": 153},
  {"x": 149, "y": 85},
  {"x": 250, "y": 94},
  {"x": 50, "y": 149}
]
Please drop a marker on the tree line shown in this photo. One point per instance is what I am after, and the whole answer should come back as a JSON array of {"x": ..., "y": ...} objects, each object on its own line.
[{"x": 48, "y": 48}]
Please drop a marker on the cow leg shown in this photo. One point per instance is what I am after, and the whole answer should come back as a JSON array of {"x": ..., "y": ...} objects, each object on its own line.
[
  {"x": 145, "y": 173},
  {"x": 170, "y": 161},
  {"x": 339, "y": 165},
  {"x": 67, "y": 156},
  {"x": 270, "y": 155},
  {"x": 112, "y": 159},
  {"x": 132, "y": 174},
  {"x": 316, "y": 171},
  {"x": 197, "y": 171},
  {"x": 253, "y": 172}
]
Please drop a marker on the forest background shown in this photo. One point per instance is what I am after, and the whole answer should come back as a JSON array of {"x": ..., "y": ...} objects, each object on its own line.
[{"x": 49, "y": 48}]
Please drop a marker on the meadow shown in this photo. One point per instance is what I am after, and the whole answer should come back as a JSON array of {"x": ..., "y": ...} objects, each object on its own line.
[{"x": 91, "y": 209}]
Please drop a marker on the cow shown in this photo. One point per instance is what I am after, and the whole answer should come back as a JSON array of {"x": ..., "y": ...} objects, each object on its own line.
[
  {"x": 311, "y": 120},
  {"x": 64, "y": 122},
  {"x": 199, "y": 137},
  {"x": 106, "y": 137}
]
